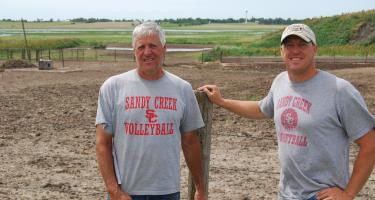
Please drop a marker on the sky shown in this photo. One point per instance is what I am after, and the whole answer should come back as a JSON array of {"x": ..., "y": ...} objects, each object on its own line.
[{"x": 161, "y": 9}]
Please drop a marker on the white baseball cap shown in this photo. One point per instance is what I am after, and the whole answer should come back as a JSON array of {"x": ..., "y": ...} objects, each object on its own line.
[{"x": 300, "y": 30}]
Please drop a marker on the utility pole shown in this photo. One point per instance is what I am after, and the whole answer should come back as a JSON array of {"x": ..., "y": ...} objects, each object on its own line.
[
  {"x": 26, "y": 46},
  {"x": 246, "y": 16}
]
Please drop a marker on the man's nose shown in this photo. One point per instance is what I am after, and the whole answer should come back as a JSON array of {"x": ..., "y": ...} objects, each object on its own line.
[
  {"x": 148, "y": 50},
  {"x": 296, "y": 48}
]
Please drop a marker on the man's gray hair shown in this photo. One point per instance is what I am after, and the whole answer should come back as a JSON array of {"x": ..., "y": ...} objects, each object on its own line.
[{"x": 146, "y": 29}]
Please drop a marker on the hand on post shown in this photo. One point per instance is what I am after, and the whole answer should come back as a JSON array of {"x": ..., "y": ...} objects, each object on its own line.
[{"x": 213, "y": 93}]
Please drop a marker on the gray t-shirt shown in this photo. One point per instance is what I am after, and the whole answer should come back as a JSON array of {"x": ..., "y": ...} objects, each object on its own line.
[
  {"x": 146, "y": 119},
  {"x": 315, "y": 121}
]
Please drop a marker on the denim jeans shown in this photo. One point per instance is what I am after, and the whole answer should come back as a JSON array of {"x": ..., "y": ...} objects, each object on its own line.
[
  {"x": 173, "y": 196},
  {"x": 312, "y": 198}
]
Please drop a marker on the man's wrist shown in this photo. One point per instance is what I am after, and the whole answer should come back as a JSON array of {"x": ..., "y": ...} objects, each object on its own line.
[
  {"x": 349, "y": 194},
  {"x": 199, "y": 188},
  {"x": 114, "y": 189}
]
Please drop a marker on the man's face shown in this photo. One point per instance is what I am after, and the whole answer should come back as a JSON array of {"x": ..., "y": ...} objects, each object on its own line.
[
  {"x": 298, "y": 55},
  {"x": 149, "y": 53}
]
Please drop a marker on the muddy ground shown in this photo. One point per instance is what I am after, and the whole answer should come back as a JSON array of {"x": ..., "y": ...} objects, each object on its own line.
[{"x": 47, "y": 137}]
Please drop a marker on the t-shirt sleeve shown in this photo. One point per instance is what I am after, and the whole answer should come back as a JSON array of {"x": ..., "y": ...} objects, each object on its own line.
[
  {"x": 192, "y": 118},
  {"x": 352, "y": 110},
  {"x": 105, "y": 108},
  {"x": 266, "y": 105}
]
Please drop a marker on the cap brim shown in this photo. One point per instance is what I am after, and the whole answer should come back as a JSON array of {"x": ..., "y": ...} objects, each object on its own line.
[{"x": 306, "y": 39}]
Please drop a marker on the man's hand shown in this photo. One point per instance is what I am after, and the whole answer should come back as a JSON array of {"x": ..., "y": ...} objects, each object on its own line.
[
  {"x": 213, "y": 93},
  {"x": 120, "y": 195},
  {"x": 333, "y": 193}
]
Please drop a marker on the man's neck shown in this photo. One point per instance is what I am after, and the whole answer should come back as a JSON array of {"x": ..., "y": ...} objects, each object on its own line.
[{"x": 303, "y": 76}]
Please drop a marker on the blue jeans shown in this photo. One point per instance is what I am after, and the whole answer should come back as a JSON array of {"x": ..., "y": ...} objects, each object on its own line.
[
  {"x": 173, "y": 196},
  {"x": 312, "y": 198}
]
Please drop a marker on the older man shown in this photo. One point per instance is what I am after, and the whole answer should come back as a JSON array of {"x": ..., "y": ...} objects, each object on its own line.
[{"x": 144, "y": 116}]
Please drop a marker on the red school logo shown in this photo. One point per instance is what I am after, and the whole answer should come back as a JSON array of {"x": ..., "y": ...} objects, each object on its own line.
[
  {"x": 289, "y": 119},
  {"x": 151, "y": 116}
]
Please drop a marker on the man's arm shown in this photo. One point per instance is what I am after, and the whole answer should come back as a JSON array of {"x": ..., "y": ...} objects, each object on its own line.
[
  {"x": 249, "y": 109},
  {"x": 105, "y": 162},
  {"x": 192, "y": 152},
  {"x": 362, "y": 169}
]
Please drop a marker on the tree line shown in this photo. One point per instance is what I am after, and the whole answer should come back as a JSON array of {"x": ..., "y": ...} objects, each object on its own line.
[{"x": 179, "y": 21}]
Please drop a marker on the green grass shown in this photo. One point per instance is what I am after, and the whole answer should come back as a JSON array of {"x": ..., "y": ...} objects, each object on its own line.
[
  {"x": 337, "y": 30},
  {"x": 243, "y": 35},
  {"x": 334, "y": 35}
]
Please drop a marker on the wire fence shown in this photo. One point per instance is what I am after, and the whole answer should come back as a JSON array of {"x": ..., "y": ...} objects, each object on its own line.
[
  {"x": 100, "y": 55},
  {"x": 71, "y": 54},
  {"x": 114, "y": 55}
]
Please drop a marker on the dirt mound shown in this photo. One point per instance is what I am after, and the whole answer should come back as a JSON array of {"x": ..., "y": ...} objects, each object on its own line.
[
  {"x": 10, "y": 64},
  {"x": 363, "y": 32}
]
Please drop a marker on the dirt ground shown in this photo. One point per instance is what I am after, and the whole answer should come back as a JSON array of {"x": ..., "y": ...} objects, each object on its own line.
[{"x": 47, "y": 136}]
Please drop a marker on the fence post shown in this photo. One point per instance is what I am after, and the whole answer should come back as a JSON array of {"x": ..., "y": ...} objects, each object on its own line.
[
  {"x": 77, "y": 54},
  {"x": 206, "y": 108},
  {"x": 202, "y": 56},
  {"x": 23, "y": 54},
  {"x": 62, "y": 57},
  {"x": 36, "y": 55}
]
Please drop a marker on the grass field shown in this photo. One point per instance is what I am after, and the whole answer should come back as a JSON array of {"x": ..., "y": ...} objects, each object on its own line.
[
  {"x": 228, "y": 39},
  {"x": 120, "y": 33}
]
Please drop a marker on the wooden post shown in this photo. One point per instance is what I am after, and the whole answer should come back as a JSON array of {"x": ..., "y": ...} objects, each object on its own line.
[
  {"x": 26, "y": 46},
  {"x": 36, "y": 55},
  {"x": 206, "y": 108},
  {"x": 202, "y": 57},
  {"x": 62, "y": 57},
  {"x": 23, "y": 56},
  {"x": 77, "y": 55}
]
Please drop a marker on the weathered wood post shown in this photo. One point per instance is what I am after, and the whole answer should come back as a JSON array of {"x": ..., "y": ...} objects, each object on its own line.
[
  {"x": 62, "y": 57},
  {"x": 206, "y": 108},
  {"x": 77, "y": 54}
]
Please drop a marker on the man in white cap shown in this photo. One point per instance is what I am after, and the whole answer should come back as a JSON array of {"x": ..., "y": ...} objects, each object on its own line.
[{"x": 316, "y": 115}]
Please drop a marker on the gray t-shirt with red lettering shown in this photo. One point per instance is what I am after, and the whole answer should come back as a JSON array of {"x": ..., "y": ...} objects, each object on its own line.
[
  {"x": 146, "y": 119},
  {"x": 315, "y": 121}
]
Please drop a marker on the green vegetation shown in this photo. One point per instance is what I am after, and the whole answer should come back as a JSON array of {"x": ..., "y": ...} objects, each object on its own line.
[
  {"x": 91, "y": 36},
  {"x": 14, "y": 43},
  {"x": 350, "y": 34},
  {"x": 357, "y": 29}
]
